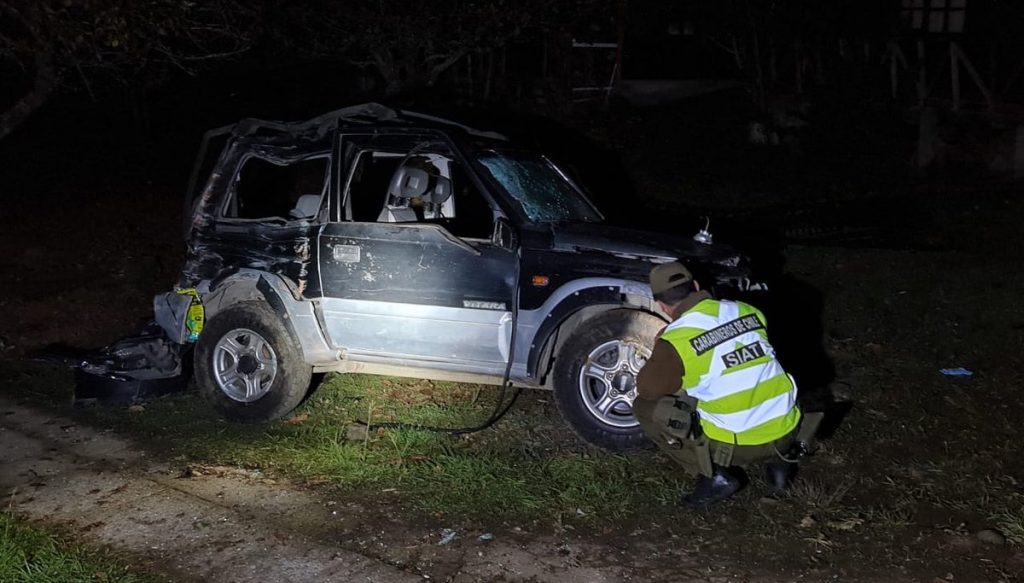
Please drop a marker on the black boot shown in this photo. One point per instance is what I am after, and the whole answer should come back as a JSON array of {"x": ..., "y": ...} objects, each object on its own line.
[
  {"x": 724, "y": 482},
  {"x": 780, "y": 474}
]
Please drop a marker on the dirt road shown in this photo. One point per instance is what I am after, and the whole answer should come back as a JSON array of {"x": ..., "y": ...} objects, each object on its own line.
[{"x": 220, "y": 524}]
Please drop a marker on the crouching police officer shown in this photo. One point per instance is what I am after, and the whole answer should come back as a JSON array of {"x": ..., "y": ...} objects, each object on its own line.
[{"x": 712, "y": 395}]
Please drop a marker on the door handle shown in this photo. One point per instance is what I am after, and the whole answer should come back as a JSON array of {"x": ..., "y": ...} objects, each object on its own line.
[{"x": 346, "y": 253}]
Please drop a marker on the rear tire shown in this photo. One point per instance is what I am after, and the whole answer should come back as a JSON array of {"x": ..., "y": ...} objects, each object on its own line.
[
  {"x": 595, "y": 377},
  {"x": 248, "y": 365}
]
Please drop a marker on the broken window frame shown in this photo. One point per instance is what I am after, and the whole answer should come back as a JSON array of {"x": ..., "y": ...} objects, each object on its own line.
[
  {"x": 346, "y": 186},
  {"x": 263, "y": 154},
  {"x": 195, "y": 188}
]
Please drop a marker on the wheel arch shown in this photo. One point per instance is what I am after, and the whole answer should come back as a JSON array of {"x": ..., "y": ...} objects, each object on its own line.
[
  {"x": 575, "y": 308},
  {"x": 244, "y": 285},
  {"x": 297, "y": 314}
]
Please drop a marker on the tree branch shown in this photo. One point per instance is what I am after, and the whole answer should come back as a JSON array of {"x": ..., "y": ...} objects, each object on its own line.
[
  {"x": 443, "y": 66},
  {"x": 43, "y": 87}
]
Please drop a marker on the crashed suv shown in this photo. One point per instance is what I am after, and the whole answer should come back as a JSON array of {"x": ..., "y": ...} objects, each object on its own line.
[{"x": 380, "y": 241}]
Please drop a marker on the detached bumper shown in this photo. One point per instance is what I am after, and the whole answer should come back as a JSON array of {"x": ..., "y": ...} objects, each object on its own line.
[{"x": 133, "y": 368}]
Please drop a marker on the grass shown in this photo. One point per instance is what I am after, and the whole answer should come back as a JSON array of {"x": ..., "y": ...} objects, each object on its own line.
[
  {"x": 528, "y": 467},
  {"x": 1010, "y": 522},
  {"x": 28, "y": 554},
  {"x": 819, "y": 495}
]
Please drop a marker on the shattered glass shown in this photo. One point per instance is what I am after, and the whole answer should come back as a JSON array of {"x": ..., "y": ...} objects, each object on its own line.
[{"x": 541, "y": 190}]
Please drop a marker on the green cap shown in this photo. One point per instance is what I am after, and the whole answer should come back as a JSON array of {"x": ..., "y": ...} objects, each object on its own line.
[{"x": 669, "y": 275}]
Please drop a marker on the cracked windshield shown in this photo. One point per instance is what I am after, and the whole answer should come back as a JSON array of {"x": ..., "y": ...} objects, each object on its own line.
[{"x": 542, "y": 191}]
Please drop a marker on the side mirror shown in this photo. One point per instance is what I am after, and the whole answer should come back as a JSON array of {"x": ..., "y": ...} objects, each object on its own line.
[{"x": 504, "y": 235}]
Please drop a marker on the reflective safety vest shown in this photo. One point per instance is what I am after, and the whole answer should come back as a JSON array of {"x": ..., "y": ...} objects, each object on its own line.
[{"x": 743, "y": 395}]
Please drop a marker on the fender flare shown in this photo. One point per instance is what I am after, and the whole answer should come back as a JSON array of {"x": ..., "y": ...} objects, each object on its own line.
[
  {"x": 603, "y": 295},
  {"x": 297, "y": 314}
]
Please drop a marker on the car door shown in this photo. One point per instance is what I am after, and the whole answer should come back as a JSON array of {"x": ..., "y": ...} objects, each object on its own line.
[{"x": 413, "y": 277}]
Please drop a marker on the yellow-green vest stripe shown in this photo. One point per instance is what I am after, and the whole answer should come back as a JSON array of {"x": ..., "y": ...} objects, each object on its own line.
[{"x": 744, "y": 396}]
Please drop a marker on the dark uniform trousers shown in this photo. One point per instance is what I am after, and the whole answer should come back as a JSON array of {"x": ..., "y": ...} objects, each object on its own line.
[{"x": 669, "y": 422}]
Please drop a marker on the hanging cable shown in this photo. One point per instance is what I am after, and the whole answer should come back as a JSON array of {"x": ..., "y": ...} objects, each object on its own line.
[{"x": 500, "y": 407}]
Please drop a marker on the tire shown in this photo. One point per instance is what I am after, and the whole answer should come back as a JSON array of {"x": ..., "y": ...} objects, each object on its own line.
[
  {"x": 248, "y": 365},
  {"x": 589, "y": 369}
]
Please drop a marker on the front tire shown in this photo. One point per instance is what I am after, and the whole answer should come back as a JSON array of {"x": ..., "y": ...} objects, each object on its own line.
[
  {"x": 249, "y": 367},
  {"x": 595, "y": 376}
]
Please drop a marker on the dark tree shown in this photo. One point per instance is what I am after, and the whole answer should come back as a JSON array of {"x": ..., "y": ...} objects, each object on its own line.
[
  {"x": 74, "y": 44},
  {"x": 408, "y": 45}
]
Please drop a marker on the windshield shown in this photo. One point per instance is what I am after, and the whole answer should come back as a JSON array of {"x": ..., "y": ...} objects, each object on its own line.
[{"x": 541, "y": 189}]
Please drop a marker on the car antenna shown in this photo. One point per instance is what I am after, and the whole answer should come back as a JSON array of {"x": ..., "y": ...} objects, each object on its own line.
[{"x": 704, "y": 235}]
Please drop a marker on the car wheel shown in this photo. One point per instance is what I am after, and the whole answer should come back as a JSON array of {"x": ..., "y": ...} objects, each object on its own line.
[
  {"x": 248, "y": 365},
  {"x": 595, "y": 376}
]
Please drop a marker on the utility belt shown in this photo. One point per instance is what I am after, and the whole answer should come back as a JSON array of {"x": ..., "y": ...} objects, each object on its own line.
[
  {"x": 682, "y": 427},
  {"x": 682, "y": 420}
]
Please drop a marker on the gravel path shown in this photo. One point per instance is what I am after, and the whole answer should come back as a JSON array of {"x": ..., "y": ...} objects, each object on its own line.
[{"x": 231, "y": 525}]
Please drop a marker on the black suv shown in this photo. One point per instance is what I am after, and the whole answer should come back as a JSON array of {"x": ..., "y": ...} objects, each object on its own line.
[{"x": 381, "y": 241}]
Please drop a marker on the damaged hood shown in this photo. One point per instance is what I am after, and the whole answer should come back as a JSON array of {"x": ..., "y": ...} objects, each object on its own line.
[{"x": 634, "y": 244}]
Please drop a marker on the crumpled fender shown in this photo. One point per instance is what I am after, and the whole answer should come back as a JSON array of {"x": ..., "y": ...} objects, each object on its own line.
[{"x": 298, "y": 315}]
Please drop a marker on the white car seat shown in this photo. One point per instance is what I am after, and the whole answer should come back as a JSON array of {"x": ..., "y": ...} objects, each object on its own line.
[
  {"x": 406, "y": 184},
  {"x": 306, "y": 207}
]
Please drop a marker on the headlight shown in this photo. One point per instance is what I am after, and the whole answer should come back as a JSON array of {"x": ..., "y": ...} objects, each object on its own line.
[{"x": 733, "y": 261}]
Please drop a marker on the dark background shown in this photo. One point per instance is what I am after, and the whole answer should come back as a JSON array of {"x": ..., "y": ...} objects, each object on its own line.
[
  {"x": 104, "y": 103},
  {"x": 121, "y": 91}
]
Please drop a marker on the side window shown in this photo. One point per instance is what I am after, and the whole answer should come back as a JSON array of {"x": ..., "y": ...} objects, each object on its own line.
[
  {"x": 371, "y": 176},
  {"x": 475, "y": 219},
  {"x": 421, "y": 184},
  {"x": 268, "y": 189}
]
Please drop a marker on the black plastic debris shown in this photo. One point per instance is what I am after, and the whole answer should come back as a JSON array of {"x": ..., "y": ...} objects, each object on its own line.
[
  {"x": 93, "y": 389},
  {"x": 132, "y": 369}
]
